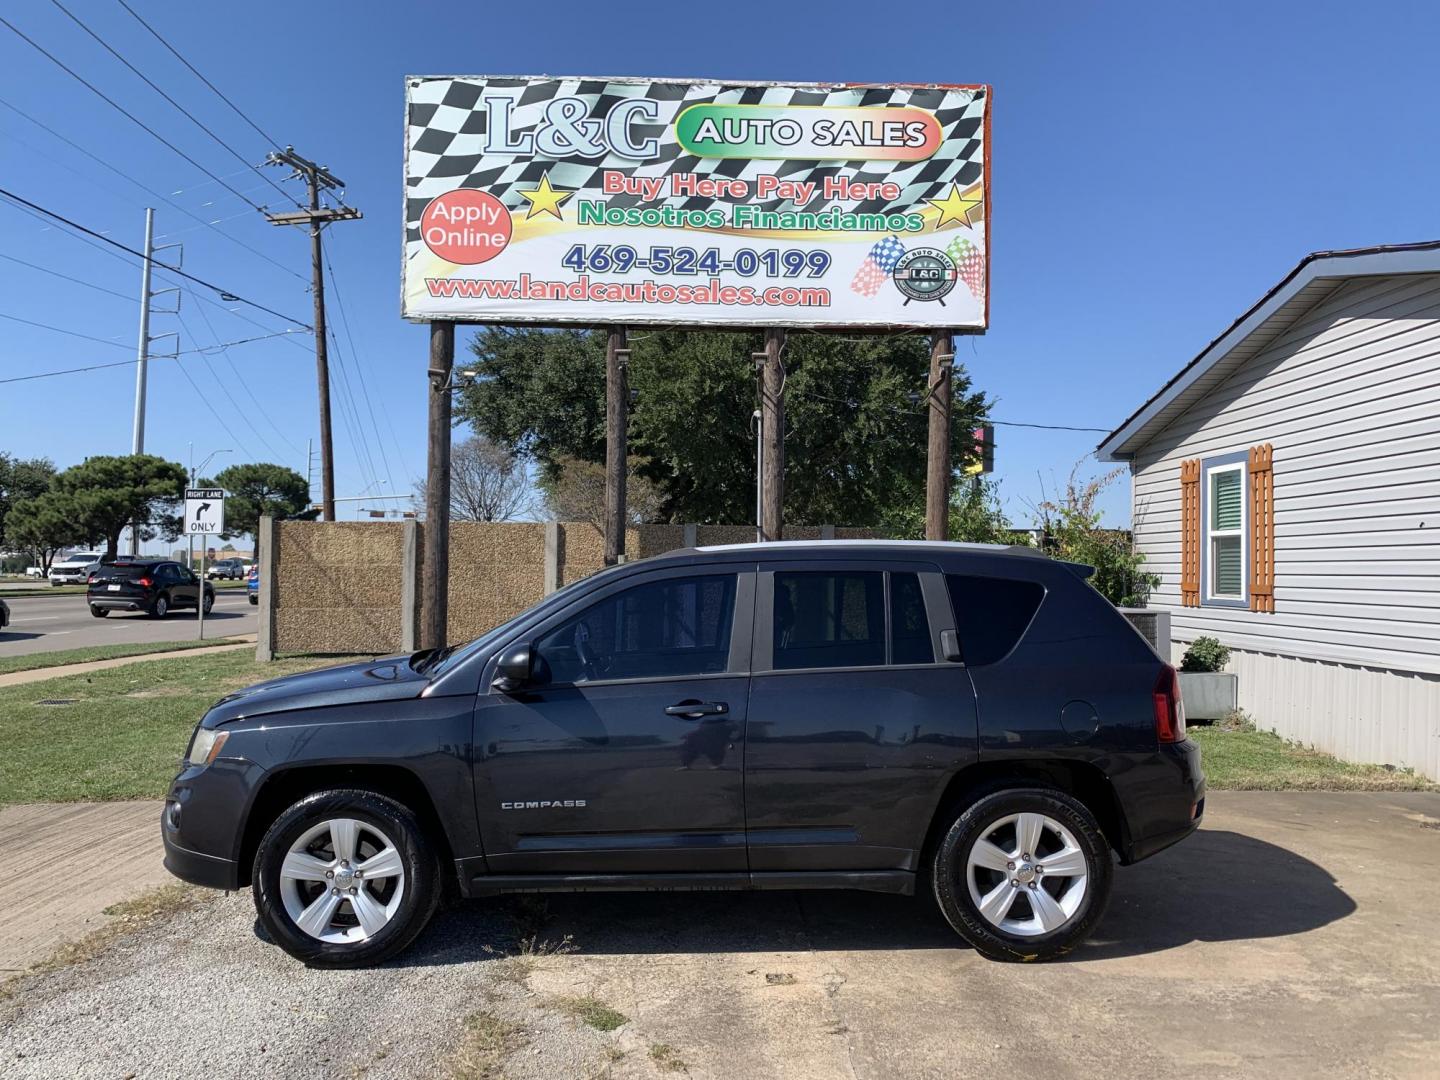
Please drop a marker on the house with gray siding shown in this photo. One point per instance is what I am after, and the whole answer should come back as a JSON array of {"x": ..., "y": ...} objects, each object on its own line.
[{"x": 1285, "y": 487}]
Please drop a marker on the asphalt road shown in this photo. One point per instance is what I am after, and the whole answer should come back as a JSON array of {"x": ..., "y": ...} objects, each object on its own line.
[{"x": 47, "y": 623}]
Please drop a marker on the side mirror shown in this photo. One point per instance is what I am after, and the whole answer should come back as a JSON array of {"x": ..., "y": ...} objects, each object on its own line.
[{"x": 512, "y": 670}]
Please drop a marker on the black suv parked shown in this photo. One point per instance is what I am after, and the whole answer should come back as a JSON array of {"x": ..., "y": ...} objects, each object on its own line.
[
  {"x": 153, "y": 586},
  {"x": 859, "y": 715}
]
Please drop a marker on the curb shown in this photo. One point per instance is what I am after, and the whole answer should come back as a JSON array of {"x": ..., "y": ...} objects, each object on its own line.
[{"x": 19, "y": 678}]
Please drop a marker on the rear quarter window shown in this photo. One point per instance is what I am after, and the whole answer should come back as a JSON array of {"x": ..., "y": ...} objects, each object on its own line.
[{"x": 991, "y": 614}]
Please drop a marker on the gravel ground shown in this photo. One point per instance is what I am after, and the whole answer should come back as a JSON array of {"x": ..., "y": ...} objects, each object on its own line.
[{"x": 203, "y": 995}]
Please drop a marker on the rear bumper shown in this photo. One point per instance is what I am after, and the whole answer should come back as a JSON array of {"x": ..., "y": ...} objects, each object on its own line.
[
  {"x": 118, "y": 603},
  {"x": 1168, "y": 804}
]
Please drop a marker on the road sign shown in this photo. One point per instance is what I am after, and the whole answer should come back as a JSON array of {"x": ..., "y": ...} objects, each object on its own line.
[{"x": 204, "y": 511}]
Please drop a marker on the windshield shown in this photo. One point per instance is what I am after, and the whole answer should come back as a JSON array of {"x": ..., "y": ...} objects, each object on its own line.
[{"x": 441, "y": 661}]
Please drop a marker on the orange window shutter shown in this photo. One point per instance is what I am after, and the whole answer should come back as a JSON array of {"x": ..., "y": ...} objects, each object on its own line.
[
  {"x": 1190, "y": 533},
  {"x": 1262, "y": 528}
]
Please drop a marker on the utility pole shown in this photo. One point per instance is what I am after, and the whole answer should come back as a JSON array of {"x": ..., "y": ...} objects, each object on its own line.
[
  {"x": 937, "y": 458},
  {"x": 435, "y": 583},
  {"x": 617, "y": 421},
  {"x": 317, "y": 217},
  {"x": 772, "y": 408},
  {"x": 137, "y": 440}
]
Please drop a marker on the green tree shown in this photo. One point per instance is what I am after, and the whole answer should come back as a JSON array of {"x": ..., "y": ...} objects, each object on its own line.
[
  {"x": 1072, "y": 531},
  {"x": 110, "y": 493},
  {"x": 855, "y": 440},
  {"x": 976, "y": 516},
  {"x": 21, "y": 479},
  {"x": 260, "y": 490},
  {"x": 43, "y": 526}
]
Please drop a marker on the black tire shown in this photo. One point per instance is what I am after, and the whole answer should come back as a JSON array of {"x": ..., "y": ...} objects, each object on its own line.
[
  {"x": 255, "y": 600},
  {"x": 209, "y": 602},
  {"x": 974, "y": 823},
  {"x": 421, "y": 883},
  {"x": 161, "y": 607},
  {"x": 99, "y": 612}
]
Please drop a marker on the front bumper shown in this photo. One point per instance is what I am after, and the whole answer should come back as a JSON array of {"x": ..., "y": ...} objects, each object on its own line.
[
  {"x": 199, "y": 869},
  {"x": 202, "y": 822}
]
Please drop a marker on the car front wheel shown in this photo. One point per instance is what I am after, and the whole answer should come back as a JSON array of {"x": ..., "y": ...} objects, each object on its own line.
[
  {"x": 345, "y": 878},
  {"x": 1023, "y": 874}
]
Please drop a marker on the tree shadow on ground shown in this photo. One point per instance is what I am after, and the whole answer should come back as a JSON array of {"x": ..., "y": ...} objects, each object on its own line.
[{"x": 1215, "y": 886}]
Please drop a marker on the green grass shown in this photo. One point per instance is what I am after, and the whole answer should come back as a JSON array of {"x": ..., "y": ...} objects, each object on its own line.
[
  {"x": 1242, "y": 760},
  {"x": 61, "y": 657},
  {"x": 47, "y": 589},
  {"x": 125, "y": 733},
  {"x": 592, "y": 1011}
]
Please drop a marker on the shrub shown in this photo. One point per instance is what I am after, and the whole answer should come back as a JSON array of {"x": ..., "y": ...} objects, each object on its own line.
[{"x": 1205, "y": 654}]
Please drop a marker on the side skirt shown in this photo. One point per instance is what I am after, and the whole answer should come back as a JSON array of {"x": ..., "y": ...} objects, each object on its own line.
[{"x": 898, "y": 882}]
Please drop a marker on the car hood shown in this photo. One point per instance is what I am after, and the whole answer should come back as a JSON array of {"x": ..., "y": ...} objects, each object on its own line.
[{"x": 390, "y": 678}]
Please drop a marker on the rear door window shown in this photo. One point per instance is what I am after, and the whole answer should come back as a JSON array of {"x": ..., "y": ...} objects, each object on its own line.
[
  {"x": 840, "y": 619},
  {"x": 991, "y": 614}
]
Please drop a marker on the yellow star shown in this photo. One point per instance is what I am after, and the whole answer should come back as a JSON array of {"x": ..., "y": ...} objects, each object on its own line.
[
  {"x": 957, "y": 207},
  {"x": 545, "y": 199}
]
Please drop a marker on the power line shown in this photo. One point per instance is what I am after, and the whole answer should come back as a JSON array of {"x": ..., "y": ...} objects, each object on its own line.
[
  {"x": 245, "y": 385},
  {"x": 176, "y": 53},
  {"x": 225, "y": 389},
  {"x": 149, "y": 190},
  {"x": 61, "y": 330},
  {"x": 214, "y": 412},
  {"x": 360, "y": 374},
  {"x": 224, "y": 293},
  {"x": 124, "y": 363},
  {"x": 67, "y": 277},
  {"x": 119, "y": 108},
  {"x": 188, "y": 114},
  {"x": 921, "y": 412}
]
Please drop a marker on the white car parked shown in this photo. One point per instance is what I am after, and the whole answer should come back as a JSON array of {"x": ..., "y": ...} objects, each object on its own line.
[{"x": 75, "y": 569}]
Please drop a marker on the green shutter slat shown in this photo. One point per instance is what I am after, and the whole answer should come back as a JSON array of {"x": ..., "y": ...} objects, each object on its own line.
[
  {"x": 1228, "y": 491},
  {"x": 1227, "y": 566}
]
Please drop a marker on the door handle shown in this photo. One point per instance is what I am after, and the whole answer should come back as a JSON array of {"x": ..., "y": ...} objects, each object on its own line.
[{"x": 694, "y": 710}]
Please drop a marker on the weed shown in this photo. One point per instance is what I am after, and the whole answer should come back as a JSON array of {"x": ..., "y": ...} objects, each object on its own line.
[
  {"x": 664, "y": 1055},
  {"x": 592, "y": 1011}
]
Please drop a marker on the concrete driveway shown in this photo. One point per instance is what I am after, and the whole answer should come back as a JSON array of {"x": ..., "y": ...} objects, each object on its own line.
[
  {"x": 1294, "y": 936},
  {"x": 45, "y": 623}
]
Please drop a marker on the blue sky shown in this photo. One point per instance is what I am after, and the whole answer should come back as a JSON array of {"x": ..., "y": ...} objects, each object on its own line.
[{"x": 1156, "y": 167}]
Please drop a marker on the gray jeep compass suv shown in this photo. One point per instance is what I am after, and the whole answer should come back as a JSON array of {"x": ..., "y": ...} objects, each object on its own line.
[{"x": 976, "y": 721}]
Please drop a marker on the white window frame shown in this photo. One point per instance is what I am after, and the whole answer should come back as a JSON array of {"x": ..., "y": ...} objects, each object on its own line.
[{"x": 1210, "y": 470}]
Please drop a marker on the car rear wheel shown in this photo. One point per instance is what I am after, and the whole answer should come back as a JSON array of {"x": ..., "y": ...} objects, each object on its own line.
[
  {"x": 99, "y": 612},
  {"x": 161, "y": 607},
  {"x": 1023, "y": 874},
  {"x": 345, "y": 878}
]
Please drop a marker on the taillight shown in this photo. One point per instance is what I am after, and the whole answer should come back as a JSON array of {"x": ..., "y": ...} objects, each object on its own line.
[
  {"x": 90, "y": 580},
  {"x": 144, "y": 582},
  {"x": 1169, "y": 708}
]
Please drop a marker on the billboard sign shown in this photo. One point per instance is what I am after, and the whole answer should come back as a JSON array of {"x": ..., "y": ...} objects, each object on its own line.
[{"x": 596, "y": 200}]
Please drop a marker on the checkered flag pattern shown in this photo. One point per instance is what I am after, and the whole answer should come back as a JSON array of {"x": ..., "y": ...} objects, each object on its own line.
[
  {"x": 970, "y": 263},
  {"x": 447, "y": 130},
  {"x": 877, "y": 266}
]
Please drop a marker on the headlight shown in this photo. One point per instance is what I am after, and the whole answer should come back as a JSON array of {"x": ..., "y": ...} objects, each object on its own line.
[{"x": 205, "y": 746}]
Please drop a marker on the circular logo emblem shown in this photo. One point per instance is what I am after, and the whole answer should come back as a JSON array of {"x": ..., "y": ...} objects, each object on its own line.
[
  {"x": 925, "y": 274},
  {"x": 466, "y": 226}
]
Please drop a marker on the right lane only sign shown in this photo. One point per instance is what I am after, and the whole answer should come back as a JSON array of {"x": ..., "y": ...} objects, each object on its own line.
[{"x": 204, "y": 511}]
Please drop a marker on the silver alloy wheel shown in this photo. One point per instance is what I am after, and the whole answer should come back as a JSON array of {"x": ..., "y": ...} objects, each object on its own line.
[
  {"x": 1026, "y": 874},
  {"x": 342, "y": 881}
]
